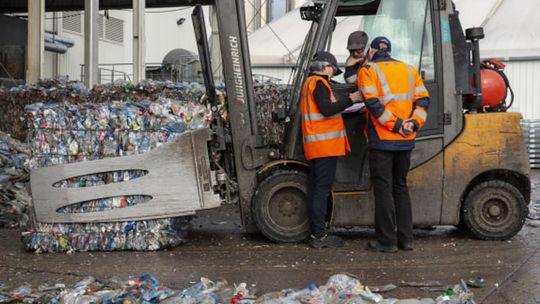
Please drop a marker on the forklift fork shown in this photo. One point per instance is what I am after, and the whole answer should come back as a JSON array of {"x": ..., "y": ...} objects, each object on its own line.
[{"x": 178, "y": 182}]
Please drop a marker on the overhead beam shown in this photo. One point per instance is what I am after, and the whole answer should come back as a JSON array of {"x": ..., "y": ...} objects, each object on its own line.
[
  {"x": 139, "y": 41},
  {"x": 91, "y": 46},
  {"x": 35, "y": 40},
  {"x": 18, "y": 6}
]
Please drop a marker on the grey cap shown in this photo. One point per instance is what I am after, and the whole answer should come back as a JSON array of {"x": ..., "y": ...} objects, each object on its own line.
[{"x": 357, "y": 40}]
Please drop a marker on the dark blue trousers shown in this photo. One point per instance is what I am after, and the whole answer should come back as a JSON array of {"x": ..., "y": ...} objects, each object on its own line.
[
  {"x": 321, "y": 177},
  {"x": 393, "y": 214}
]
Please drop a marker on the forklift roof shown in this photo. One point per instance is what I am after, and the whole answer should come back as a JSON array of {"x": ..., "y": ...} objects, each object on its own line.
[{"x": 357, "y": 7}]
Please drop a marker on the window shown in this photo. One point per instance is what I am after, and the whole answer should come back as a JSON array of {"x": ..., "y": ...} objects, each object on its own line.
[
  {"x": 72, "y": 21},
  {"x": 100, "y": 26},
  {"x": 114, "y": 29},
  {"x": 408, "y": 25},
  {"x": 109, "y": 29}
]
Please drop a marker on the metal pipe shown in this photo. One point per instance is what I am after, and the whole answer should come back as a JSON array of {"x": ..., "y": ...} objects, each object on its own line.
[
  {"x": 139, "y": 40},
  {"x": 517, "y": 58},
  {"x": 55, "y": 47},
  {"x": 476, "y": 73},
  {"x": 474, "y": 35},
  {"x": 63, "y": 40},
  {"x": 91, "y": 50}
]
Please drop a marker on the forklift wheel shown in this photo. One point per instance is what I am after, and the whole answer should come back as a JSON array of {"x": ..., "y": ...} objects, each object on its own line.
[
  {"x": 280, "y": 207},
  {"x": 494, "y": 210}
]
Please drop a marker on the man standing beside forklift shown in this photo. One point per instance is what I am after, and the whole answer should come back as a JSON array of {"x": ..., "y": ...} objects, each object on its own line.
[
  {"x": 356, "y": 45},
  {"x": 397, "y": 102},
  {"x": 325, "y": 139}
]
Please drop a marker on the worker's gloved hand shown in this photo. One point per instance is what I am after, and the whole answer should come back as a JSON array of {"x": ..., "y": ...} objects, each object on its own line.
[
  {"x": 407, "y": 128},
  {"x": 356, "y": 97}
]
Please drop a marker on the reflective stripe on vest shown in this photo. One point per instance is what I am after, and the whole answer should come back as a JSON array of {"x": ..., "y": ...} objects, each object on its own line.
[
  {"x": 372, "y": 90},
  {"x": 386, "y": 115},
  {"x": 420, "y": 89},
  {"x": 387, "y": 94},
  {"x": 420, "y": 113},
  {"x": 318, "y": 116},
  {"x": 325, "y": 136}
]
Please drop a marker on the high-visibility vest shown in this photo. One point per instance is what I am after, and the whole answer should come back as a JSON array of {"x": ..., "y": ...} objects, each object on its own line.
[
  {"x": 322, "y": 136},
  {"x": 401, "y": 91}
]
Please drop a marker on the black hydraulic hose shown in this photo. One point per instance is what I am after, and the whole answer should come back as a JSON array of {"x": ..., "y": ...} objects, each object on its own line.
[{"x": 507, "y": 82}]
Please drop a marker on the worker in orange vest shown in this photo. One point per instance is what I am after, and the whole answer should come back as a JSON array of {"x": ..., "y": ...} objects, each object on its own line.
[
  {"x": 397, "y": 102},
  {"x": 325, "y": 139}
]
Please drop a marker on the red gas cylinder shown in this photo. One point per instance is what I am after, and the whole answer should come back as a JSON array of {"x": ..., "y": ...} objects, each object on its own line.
[{"x": 493, "y": 88}]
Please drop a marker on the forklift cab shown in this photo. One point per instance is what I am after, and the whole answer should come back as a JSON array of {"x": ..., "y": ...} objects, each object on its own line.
[{"x": 409, "y": 26}]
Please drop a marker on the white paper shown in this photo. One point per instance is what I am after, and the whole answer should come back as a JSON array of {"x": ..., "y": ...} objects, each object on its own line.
[{"x": 354, "y": 108}]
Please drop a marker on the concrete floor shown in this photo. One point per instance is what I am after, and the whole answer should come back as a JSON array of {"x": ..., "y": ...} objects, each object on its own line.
[{"x": 511, "y": 269}]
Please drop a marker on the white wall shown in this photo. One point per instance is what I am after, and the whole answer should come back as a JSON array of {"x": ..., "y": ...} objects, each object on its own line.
[
  {"x": 69, "y": 63},
  {"x": 49, "y": 58},
  {"x": 252, "y": 13},
  {"x": 524, "y": 77},
  {"x": 109, "y": 52},
  {"x": 162, "y": 36}
]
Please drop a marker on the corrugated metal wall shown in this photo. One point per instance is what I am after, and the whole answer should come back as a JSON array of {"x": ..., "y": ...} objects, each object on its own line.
[{"x": 524, "y": 77}]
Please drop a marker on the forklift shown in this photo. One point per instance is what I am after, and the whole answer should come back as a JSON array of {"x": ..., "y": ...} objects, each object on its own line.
[{"x": 469, "y": 168}]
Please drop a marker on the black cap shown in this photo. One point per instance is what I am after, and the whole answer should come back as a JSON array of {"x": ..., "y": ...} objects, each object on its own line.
[
  {"x": 382, "y": 44},
  {"x": 357, "y": 40},
  {"x": 328, "y": 58}
]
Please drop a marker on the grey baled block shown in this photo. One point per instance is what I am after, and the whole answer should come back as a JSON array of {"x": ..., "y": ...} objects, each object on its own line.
[{"x": 178, "y": 180}]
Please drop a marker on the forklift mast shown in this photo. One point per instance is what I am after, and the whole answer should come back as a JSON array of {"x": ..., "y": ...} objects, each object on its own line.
[{"x": 249, "y": 153}]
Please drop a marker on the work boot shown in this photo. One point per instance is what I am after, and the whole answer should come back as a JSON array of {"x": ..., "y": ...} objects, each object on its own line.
[
  {"x": 407, "y": 246},
  {"x": 376, "y": 246},
  {"x": 326, "y": 241}
]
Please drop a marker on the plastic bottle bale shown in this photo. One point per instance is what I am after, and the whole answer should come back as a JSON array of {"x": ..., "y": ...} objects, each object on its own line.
[{"x": 65, "y": 132}]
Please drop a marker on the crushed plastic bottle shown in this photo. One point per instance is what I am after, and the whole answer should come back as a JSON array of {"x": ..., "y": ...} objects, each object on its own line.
[
  {"x": 534, "y": 210},
  {"x": 460, "y": 294},
  {"x": 148, "y": 289},
  {"x": 14, "y": 197}
]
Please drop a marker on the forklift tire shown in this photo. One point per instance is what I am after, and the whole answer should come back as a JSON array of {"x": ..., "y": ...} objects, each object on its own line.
[
  {"x": 280, "y": 207},
  {"x": 494, "y": 210}
]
